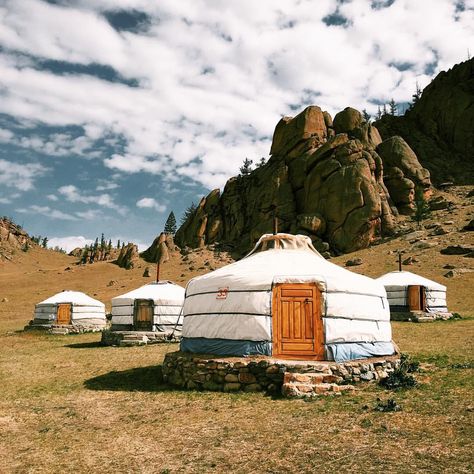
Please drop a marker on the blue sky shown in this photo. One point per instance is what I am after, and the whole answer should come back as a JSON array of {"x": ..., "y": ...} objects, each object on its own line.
[{"x": 115, "y": 112}]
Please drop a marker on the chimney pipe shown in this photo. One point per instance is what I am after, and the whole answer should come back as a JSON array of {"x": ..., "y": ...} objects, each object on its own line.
[
  {"x": 399, "y": 261},
  {"x": 158, "y": 272}
]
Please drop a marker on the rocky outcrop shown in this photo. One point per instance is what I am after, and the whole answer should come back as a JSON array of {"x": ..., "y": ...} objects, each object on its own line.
[
  {"x": 128, "y": 256},
  {"x": 403, "y": 173},
  {"x": 161, "y": 249},
  {"x": 12, "y": 239},
  {"x": 325, "y": 179},
  {"x": 439, "y": 128}
]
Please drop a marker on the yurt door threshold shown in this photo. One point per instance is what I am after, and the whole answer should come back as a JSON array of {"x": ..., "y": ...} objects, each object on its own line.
[{"x": 297, "y": 324}]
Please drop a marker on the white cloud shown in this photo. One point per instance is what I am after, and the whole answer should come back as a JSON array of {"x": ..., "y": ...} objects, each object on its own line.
[
  {"x": 107, "y": 187},
  {"x": 20, "y": 175},
  {"x": 72, "y": 194},
  {"x": 47, "y": 212},
  {"x": 70, "y": 242},
  {"x": 150, "y": 203},
  {"x": 213, "y": 77},
  {"x": 52, "y": 197}
]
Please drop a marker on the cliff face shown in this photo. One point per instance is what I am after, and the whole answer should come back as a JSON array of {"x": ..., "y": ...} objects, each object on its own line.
[
  {"x": 440, "y": 126},
  {"x": 324, "y": 179},
  {"x": 12, "y": 239}
]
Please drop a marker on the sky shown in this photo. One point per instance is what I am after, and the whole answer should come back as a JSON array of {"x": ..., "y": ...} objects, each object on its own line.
[{"x": 113, "y": 113}]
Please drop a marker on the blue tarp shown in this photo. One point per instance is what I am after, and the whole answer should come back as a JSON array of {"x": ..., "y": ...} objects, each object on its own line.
[
  {"x": 225, "y": 347},
  {"x": 358, "y": 350}
]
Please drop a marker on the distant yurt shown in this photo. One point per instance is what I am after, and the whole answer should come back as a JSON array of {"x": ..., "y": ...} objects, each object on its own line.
[
  {"x": 285, "y": 300},
  {"x": 153, "y": 307},
  {"x": 72, "y": 310},
  {"x": 413, "y": 297}
]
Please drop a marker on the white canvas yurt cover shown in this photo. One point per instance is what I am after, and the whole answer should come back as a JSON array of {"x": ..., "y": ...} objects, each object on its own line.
[
  {"x": 230, "y": 310},
  {"x": 397, "y": 285},
  {"x": 165, "y": 301},
  {"x": 70, "y": 307}
]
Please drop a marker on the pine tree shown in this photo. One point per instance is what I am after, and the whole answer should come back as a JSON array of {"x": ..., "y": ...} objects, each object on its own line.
[
  {"x": 44, "y": 243},
  {"x": 96, "y": 244},
  {"x": 422, "y": 208},
  {"x": 118, "y": 243},
  {"x": 262, "y": 162},
  {"x": 384, "y": 110},
  {"x": 366, "y": 115},
  {"x": 393, "y": 107},
  {"x": 102, "y": 241},
  {"x": 416, "y": 96},
  {"x": 109, "y": 245},
  {"x": 170, "y": 225},
  {"x": 379, "y": 113},
  {"x": 246, "y": 167},
  {"x": 188, "y": 213}
]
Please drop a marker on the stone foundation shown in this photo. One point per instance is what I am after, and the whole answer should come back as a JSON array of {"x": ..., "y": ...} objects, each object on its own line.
[
  {"x": 137, "y": 338},
  {"x": 62, "y": 329},
  {"x": 419, "y": 316},
  {"x": 255, "y": 374}
]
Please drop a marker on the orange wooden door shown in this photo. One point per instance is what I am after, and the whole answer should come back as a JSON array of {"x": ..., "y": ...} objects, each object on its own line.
[
  {"x": 415, "y": 298},
  {"x": 63, "y": 314},
  {"x": 143, "y": 315},
  {"x": 297, "y": 323}
]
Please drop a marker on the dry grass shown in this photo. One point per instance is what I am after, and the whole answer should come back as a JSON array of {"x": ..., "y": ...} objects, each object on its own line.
[{"x": 69, "y": 405}]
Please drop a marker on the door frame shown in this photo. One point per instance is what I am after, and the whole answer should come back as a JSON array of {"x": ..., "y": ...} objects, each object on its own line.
[
  {"x": 317, "y": 322},
  {"x": 421, "y": 297},
  {"x": 58, "y": 305},
  {"x": 151, "y": 304}
]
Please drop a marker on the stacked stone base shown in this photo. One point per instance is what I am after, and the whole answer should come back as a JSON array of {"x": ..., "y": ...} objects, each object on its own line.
[
  {"x": 62, "y": 329},
  {"x": 256, "y": 374},
  {"x": 419, "y": 316},
  {"x": 137, "y": 338}
]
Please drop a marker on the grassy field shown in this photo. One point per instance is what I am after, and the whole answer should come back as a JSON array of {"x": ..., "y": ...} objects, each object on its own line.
[{"x": 69, "y": 404}]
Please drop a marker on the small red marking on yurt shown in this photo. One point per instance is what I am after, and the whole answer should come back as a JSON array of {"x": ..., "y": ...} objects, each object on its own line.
[{"x": 222, "y": 293}]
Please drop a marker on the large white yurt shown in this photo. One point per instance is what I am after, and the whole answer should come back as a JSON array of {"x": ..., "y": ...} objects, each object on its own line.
[
  {"x": 70, "y": 308},
  {"x": 153, "y": 307},
  {"x": 409, "y": 293},
  {"x": 285, "y": 300}
]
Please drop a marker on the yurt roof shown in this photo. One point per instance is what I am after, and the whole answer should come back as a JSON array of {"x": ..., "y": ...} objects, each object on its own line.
[
  {"x": 284, "y": 258},
  {"x": 161, "y": 292},
  {"x": 403, "y": 278},
  {"x": 74, "y": 297}
]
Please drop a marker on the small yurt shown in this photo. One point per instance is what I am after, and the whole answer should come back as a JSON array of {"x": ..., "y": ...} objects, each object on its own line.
[
  {"x": 153, "y": 307},
  {"x": 285, "y": 300},
  {"x": 73, "y": 309},
  {"x": 413, "y": 297}
]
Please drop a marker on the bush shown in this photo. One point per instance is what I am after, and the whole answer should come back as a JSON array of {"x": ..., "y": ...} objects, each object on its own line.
[
  {"x": 400, "y": 377},
  {"x": 389, "y": 405}
]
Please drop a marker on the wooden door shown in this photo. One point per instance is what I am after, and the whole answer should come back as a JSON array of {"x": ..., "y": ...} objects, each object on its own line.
[
  {"x": 63, "y": 315},
  {"x": 297, "y": 323},
  {"x": 416, "y": 298},
  {"x": 143, "y": 317}
]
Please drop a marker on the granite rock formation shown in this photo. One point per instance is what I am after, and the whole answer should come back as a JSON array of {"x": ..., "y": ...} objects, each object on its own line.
[
  {"x": 325, "y": 179},
  {"x": 439, "y": 127}
]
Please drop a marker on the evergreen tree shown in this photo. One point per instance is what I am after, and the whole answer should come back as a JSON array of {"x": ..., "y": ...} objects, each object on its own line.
[
  {"x": 109, "y": 245},
  {"x": 246, "y": 167},
  {"x": 416, "y": 96},
  {"x": 188, "y": 213},
  {"x": 384, "y": 110},
  {"x": 262, "y": 162},
  {"x": 102, "y": 241},
  {"x": 379, "y": 113},
  {"x": 170, "y": 225},
  {"x": 96, "y": 244},
  {"x": 118, "y": 243},
  {"x": 422, "y": 208},
  {"x": 393, "y": 107},
  {"x": 44, "y": 242},
  {"x": 366, "y": 115}
]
